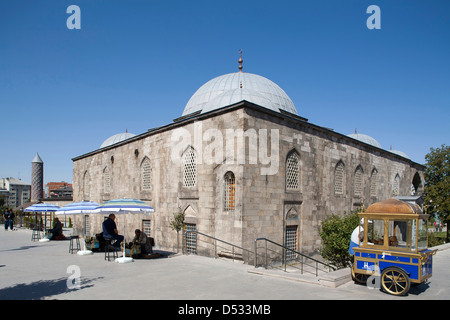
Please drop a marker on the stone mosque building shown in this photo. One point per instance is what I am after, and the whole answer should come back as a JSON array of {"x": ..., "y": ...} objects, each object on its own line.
[{"x": 241, "y": 163}]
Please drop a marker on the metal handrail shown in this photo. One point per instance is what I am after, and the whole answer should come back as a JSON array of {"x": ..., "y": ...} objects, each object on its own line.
[
  {"x": 284, "y": 256},
  {"x": 256, "y": 251},
  {"x": 215, "y": 243}
]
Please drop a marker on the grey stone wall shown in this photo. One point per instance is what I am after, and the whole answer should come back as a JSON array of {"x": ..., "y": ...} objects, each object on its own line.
[{"x": 263, "y": 205}]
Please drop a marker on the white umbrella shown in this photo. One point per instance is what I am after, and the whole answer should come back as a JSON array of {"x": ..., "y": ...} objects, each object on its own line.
[
  {"x": 79, "y": 208},
  {"x": 124, "y": 206},
  {"x": 42, "y": 207}
]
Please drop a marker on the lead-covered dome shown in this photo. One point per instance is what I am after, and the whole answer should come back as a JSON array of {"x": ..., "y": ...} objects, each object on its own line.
[
  {"x": 365, "y": 138},
  {"x": 400, "y": 153},
  {"x": 117, "y": 138},
  {"x": 235, "y": 87}
]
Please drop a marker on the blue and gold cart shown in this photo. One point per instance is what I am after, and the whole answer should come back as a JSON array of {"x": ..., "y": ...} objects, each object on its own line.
[{"x": 394, "y": 246}]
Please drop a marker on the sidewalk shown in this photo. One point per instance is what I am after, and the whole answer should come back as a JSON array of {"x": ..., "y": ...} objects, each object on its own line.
[{"x": 45, "y": 270}]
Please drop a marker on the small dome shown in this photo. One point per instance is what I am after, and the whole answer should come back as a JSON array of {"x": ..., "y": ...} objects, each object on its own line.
[
  {"x": 235, "y": 87},
  {"x": 365, "y": 138},
  {"x": 400, "y": 153},
  {"x": 117, "y": 138}
]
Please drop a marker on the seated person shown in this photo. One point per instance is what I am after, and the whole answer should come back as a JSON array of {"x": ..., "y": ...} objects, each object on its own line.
[
  {"x": 57, "y": 230},
  {"x": 110, "y": 230},
  {"x": 142, "y": 239}
]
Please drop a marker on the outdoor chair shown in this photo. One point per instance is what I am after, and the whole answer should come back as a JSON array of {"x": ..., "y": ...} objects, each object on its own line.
[
  {"x": 109, "y": 249},
  {"x": 74, "y": 244}
]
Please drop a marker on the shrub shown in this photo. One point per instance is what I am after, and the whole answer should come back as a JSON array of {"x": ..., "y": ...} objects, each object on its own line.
[
  {"x": 436, "y": 238},
  {"x": 335, "y": 232}
]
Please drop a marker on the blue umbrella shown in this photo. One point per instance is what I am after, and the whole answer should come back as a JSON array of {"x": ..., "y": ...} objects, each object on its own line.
[
  {"x": 124, "y": 206},
  {"x": 42, "y": 207},
  {"x": 78, "y": 207}
]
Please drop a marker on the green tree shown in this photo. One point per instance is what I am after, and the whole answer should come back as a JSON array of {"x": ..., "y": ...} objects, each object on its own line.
[
  {"x": 2, "y": 200},
  {"x": 177, "y": 224},
  {"x": 437, "y": 183},
  {"x": 335, "y": 232}
]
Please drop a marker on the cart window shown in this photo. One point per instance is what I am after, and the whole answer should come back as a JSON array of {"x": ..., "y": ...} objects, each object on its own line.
[
  {"x": 375, "y": 232},
  {"x": 422, "y": 243},
  {"x": 400, "y": 233}
]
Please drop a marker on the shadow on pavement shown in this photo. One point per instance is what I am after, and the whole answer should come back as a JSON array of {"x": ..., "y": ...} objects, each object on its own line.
[
  {"x": 41, "y": 289},
  {"x": 21, "y": 248}
]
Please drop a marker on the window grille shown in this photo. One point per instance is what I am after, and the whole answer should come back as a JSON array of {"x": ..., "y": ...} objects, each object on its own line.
[
  {"x": 291, "y": 242},
  {"x": 339, "y": 179},
  {"x": 146, "y": 227},
  {"x": 106, "y": 180},
  {"x": 374, "y": 183},
  {"x": 146, "y": 171},
  {"x": 358, "y": 182},
  {"x": 230, "y": 191},
  {"x": 190, "y": 169},
  {"x": 292, "y": 172},
  {"x": 191, "y": 238},
  {"x": 87, "y": 226}
]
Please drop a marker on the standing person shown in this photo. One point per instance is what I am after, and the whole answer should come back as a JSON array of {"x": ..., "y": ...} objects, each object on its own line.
[
  {"x": 356, "y": 237},
  {"x": 6, "y": 215},
  {"x": 11, "y": 220},
  {"x": 110, "y": 230}
]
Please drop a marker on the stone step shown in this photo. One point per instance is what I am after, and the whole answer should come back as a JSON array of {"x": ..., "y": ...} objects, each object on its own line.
[{"x": 230, "y": 255}]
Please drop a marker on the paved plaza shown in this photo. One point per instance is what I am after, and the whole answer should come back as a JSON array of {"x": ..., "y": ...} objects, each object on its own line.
[{"x": 46, "y": 270}]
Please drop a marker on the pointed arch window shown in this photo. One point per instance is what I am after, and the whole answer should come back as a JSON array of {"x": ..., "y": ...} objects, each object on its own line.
[
  {"x": 339, "y": 178},
  {"x": 359, "y": 182},
  {"x": 374, "y": 183},
  {"x": 396, "y": 185},
  {"x": 190, "y": 168},
  {"x": 229, "y": 191},
  {"x": 146, "y": 174},
  {"x": 417, "y": 186},
  {"x": 293, "y": 172}
]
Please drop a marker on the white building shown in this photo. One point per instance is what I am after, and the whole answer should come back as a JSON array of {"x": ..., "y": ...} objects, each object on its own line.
[{"x": 16, "y": 191}]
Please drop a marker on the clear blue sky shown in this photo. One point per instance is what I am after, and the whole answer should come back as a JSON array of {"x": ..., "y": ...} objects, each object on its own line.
[{"x": 134, "y": 64}]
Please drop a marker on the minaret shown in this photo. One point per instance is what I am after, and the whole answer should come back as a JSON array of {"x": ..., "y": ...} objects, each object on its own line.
[{"x": 37, "y": 178}]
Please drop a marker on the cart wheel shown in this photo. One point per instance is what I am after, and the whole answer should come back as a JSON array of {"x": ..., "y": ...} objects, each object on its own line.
[
  {"x": 395, "y": 281},
  {"x": 359, "y": 278}
]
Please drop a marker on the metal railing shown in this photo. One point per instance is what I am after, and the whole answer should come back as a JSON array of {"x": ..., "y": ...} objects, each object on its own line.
[
  {"x": 216, "y": 241},
  {"x": 284, "y": 260},
  {"x": 303, "y": 257}
]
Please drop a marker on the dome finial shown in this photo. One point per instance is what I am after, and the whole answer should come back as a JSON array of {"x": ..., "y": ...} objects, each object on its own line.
[{"x": 240, "y": 60}]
